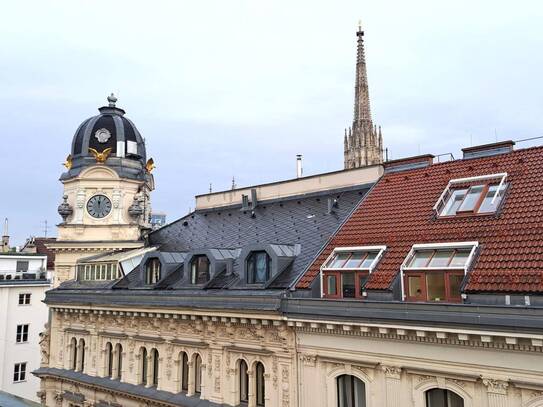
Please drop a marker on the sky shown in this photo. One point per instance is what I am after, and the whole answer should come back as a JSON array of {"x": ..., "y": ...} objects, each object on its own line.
[{"x": 238, "y": 88}]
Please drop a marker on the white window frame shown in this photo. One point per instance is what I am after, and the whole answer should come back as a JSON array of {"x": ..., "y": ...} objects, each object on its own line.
[
  {"x": 25, "y": 295},
  {"x": 20, "y": 364},
  {"x": 446, "y": 192},
  {"x": 436, "y": 246},
  {"x": 22, "y": 333},
  {"x": 379, "y": 249}
]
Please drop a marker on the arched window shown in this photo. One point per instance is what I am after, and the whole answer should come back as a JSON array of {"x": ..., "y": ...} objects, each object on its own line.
[
  {"x": 109, "y": 359},
  {"x": 198, "y": 374},
  {"x": 154, "y": 358},
  {"x": 82, "y": 355},
  {"x": 119, "y": 351},
  {"x": 351, "y": 391},
  {"x": 260, "y": 386},
  {"x": 443, "y": 398},
  {"x": 143, "y": 369},
  {"x": 243, "y": 382},
  {"x": 152, "y": 271},
  {"x": 258, "y": 267},
  {"x": 73, "y": 352},
  {"x": 199, "y": 270},
  {"x": 184, "y": 374}
]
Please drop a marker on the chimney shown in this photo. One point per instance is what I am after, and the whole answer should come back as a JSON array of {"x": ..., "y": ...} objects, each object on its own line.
[
  {"x": 299, "y": 169},
  {"x": 5, "y": 237}
]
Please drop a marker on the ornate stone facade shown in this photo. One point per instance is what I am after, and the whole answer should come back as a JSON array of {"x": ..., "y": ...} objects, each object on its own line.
[{"x": 302, "y": 360}]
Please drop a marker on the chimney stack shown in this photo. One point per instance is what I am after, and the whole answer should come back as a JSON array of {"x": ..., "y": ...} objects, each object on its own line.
[
  {"x": 299, "y": 169},
  {"x": 5, "y": 237}
]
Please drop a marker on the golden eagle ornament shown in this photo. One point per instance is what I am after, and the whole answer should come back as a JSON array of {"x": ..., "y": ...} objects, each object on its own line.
[
  {"x": 150, "y": 165},
  {"x": 68, "y": 162},
  {"x": 100, "y": 157}
]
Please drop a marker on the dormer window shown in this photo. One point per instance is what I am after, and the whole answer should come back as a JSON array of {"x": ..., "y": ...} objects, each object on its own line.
[
  {"x": 152, "y": 271},
  {"x": 199, "y": 270},
  {"x": 474, "y": 195},
  {"x": 435, "y": 272},
  {"x": 346, "y": 271},
  {"x": 258, "y": 267}
]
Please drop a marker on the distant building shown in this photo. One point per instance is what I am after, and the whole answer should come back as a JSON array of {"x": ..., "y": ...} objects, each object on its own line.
[
  {"x": 363, "y": 142},
  {"x": 39, "y": 245},
  {"x": 158, "y": 219},
  {"x": 23, "y": 315}
]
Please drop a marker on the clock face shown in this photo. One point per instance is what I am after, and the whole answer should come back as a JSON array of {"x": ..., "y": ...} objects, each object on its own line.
[{"x": 99, "y": 206}]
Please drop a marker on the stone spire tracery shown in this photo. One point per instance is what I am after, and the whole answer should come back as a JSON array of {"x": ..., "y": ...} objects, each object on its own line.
[{"x": 363, "y": 142}]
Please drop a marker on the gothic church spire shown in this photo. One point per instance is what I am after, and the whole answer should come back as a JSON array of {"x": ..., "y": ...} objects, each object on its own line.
[{"x": 364, "y": 146}]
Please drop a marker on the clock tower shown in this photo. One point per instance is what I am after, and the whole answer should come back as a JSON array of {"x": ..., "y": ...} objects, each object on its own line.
[{"x": 106, "y": 203}]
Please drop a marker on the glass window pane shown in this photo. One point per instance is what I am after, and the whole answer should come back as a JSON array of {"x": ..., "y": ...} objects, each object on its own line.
[
  {"x": 261, "y": 260},
  {"x": 471, "y": 198},
  {"x": 460, "y": 258},
  {"x": 414, "y": 287},
  {"x": 338, "y": 260},
  {"x": 420, "y": 259},
  {"x": 355, "y": 260},
  {"x": 441, "y": 258},
  {"x": 455, "y": 281},
  {"x": 435, "y": 286},
  {"x": 487, "y": 206},
  {"x": 332, "y": 285},
  {"x": 348, "y": 285},
  {"x": 368, "y": 260},
  {"x": 454, "y": 201},
  {"x": 362, "y": 278}
]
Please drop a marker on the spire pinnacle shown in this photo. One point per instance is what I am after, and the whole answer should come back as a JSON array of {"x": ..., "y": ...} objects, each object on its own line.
[{"x": 6, "y": 232}]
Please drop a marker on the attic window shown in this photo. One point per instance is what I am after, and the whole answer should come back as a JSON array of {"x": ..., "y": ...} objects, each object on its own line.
[
  {"x": 346, "y": 271},
  {"x": 435, "y": 272},
  {"x": 152, "y": 271},
  {"x": 474, "y": 195},
  {"x": 258, "y": 267},
  {"x": 199, "y": 270},
  {"x": 98, "y": 271}
]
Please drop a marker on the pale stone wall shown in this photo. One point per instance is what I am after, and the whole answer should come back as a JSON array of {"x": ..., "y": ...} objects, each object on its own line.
[{"x": 302, "y": 359}]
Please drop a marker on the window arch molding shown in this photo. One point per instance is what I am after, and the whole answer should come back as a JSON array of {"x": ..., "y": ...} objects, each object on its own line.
[
  {"x": 331, "y": 383},
  {"x": 440, "y": 383}
]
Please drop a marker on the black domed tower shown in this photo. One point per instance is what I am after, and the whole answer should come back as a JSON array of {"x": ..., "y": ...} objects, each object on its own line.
[{"x": 107, "y": 190}]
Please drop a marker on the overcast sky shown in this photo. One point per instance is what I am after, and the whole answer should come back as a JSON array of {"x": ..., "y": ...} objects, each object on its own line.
[{"x": 238, "y": 88}]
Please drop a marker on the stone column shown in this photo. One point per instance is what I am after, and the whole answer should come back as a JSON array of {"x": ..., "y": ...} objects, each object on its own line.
[
  {"x": 80, "y": 358},
  {"x": 252, "y": 388},
  {"x": 392, "y": 385},
  {"x": 190, "y": 391},
  {"x": 150, "y": 369},
  {"x": 115, "y": 361},
  {"x": 496, "y": 392}
]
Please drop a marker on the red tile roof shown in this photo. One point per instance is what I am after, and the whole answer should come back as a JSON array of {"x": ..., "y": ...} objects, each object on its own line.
[{"x": 398, "y": 212}]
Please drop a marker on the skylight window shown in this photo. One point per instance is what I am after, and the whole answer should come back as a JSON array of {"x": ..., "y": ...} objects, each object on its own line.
[
  {"x": 435, "y": 272},
  {"x": 346, "y": 271},
  {"x": 474, "y": 195}
]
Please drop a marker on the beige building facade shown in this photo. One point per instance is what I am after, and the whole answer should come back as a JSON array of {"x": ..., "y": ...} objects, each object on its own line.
[{"x": 302, "y": 358}]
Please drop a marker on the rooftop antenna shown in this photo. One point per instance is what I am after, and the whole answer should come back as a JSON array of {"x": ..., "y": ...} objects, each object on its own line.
[
  {"x": 46, "y": 228},
  {"x": 496, "y": 134},
  {"x": 233, "y": 182},
  {"x": 210, "y": 188}
]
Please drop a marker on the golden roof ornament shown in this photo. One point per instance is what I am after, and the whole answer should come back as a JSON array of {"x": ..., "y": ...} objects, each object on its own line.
[
  {"x": 68, "y": 162},
  {"x": 100, "y": 157},
  {"x": 150, "y": 165}
]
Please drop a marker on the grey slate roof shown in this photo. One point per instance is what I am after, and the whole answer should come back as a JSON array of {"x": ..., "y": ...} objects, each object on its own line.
[{"x": 294, "y": 228}]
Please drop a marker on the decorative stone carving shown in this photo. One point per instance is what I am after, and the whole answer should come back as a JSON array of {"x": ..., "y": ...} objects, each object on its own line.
[
  {"x": 308, "y": 360},
  {"x": 65, "y": 209},
  {"x": 391, "y": 371},
  {"x": 135, "y": 210},
  {"x": 44, "y": 346},
  {"x": 496, "y": 386}
]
